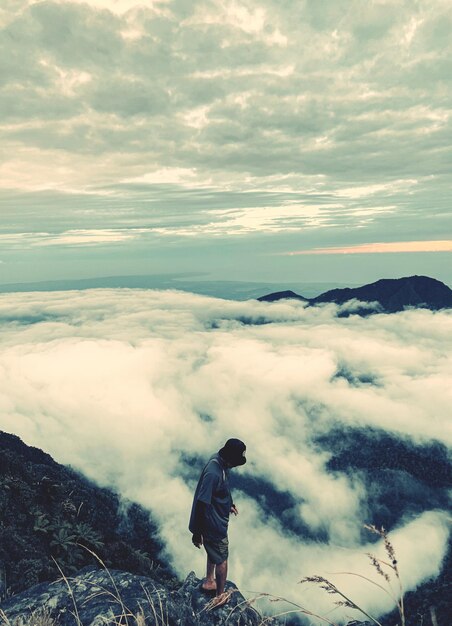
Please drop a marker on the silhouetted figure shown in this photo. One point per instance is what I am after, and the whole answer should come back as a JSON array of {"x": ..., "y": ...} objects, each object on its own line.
[{"x": 212, "y": 505}]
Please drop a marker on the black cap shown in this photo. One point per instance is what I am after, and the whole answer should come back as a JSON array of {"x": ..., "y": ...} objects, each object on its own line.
[{"x": 233, "y": 452}]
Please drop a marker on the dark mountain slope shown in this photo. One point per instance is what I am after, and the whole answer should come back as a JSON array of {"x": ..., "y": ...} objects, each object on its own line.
[
  {"x": 402, "y": 480},
  {"x": 395, "y": 294},
  {"x": 48, "y": 510},
  {"x": 391, "y": 294}
]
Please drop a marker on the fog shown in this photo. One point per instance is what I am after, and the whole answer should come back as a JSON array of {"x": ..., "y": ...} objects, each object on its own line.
[{"x": 136, "y": 388}]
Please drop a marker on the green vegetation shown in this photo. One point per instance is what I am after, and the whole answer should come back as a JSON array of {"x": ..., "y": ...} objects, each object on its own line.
[{"x": 48, "y": 511}]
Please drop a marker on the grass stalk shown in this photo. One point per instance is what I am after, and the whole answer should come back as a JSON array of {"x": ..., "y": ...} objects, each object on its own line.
[{"x": 71, "y": 593}]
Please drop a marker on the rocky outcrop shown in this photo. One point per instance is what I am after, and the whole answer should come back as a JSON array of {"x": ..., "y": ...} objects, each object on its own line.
[{"x": 97, "y": 596}]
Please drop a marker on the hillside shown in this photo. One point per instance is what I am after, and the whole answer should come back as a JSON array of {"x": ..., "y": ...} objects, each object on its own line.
[{"x": 48, "y": 510}]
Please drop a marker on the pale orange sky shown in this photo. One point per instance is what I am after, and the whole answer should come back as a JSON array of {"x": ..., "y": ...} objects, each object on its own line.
[{"x": 381, "y": 247}]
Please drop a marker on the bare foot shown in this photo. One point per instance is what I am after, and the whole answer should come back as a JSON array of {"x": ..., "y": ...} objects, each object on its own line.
[
  {"x": 209, "y": 585},
  {"x": 218, "y": 601}
]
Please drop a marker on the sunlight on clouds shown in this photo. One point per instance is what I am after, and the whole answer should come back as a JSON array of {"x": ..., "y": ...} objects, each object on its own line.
[
  {"x": 166, "y": 175},
  {"x": 87, "y": 237},
  {"x": 28, "y": 171},
  {"x": 255, "y": 70},
  {"x": 70, "y": 237},
  {"x": 196, "y": 118},
  {"x": 118, "y": 6},
  {"x": 67, "y": 81},
  {"x": 385, "y": 188},
  {"x": 252, "y": 21},
  {"x": 410, "y": 30},
  {"x": 282, "y": 218},
  {"x": 33, "y": 169}
]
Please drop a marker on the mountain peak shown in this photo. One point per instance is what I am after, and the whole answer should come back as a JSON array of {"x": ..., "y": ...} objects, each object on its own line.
[
  {"x": 392, "y": 294},
  {"x": 282, "y": 295}
]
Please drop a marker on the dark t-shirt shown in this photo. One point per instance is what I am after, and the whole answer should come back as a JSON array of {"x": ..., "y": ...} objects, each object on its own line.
[{"x": 213, "y": 489}]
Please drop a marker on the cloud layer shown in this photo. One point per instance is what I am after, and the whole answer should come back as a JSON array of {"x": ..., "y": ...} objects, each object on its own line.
[{"x": 136, "y": 388}]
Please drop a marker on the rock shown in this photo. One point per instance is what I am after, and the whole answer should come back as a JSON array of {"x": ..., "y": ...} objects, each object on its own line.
[
  {"x": 236, "y": 611},
  {"x": 96, "y": 596}
]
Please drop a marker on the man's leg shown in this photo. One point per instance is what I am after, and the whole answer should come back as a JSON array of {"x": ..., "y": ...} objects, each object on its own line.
[
  {"x": 209, "y": 584},
  {"x": 221, "y": 572}
]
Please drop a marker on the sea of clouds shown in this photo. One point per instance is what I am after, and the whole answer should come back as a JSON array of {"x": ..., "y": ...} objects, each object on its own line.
[{"x": 133, "y": 387}]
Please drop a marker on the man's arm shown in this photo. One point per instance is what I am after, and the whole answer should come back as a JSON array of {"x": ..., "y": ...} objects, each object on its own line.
[
  {"x": 208, "y": 485},
  {"x": 200, "y": 512}
]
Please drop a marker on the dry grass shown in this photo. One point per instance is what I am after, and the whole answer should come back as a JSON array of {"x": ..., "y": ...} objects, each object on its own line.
[
  {"x": 386, "y": 569},
  {"x": 40, "y": 617},
  {"x": 157, "y": 613},
  {"x": 294, "y": 610},
  {"x": 391, "y": 585}
]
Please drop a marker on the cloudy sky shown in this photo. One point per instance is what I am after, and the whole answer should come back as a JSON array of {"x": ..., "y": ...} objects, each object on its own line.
[
  {"x": 261, "y": 140},
  {"x": 137, "y": 388}
]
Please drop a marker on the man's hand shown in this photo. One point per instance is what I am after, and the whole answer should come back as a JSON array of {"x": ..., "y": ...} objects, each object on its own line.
[
  {"x": 234, "y": 510},
  {"x": 197, "y": 540}
]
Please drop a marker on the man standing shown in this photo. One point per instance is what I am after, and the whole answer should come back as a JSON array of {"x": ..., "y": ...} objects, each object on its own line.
[{"x": 209, "y": 518}]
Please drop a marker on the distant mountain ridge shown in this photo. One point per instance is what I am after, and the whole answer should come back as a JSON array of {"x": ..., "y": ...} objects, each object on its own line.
[
  {"x": 392, "y": 294},
  {"x": 283, "y": 295},
  {"x": 190, "y": 282}
]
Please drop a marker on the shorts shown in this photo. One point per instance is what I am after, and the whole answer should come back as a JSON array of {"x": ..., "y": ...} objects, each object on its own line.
[{"x": 217, "y": 550}]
